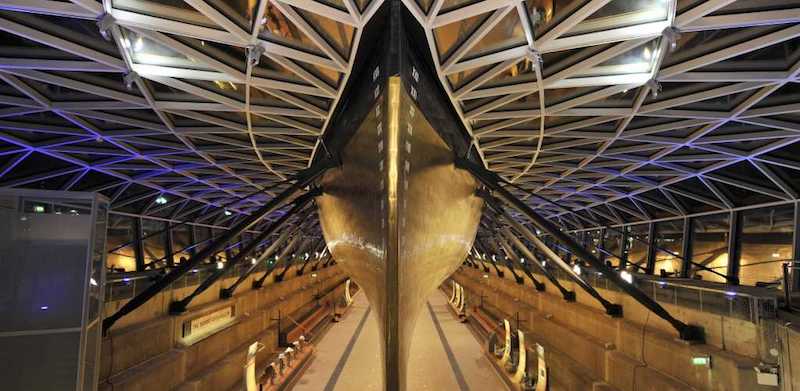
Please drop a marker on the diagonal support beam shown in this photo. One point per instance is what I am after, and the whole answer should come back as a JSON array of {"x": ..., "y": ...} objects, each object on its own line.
[
  {"x": 491, "y": 181},
  {"x": 301, "y": 181},
  {"x": 178, "y": 307}
]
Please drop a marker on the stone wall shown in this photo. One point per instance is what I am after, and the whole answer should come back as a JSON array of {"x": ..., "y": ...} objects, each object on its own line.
[
  {"x": 143, "y": 351},
  {"x": 586, "y": 349}
]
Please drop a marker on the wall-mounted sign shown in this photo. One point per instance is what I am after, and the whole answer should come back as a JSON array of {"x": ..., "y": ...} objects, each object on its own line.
[{"x": 201, "y": 326}]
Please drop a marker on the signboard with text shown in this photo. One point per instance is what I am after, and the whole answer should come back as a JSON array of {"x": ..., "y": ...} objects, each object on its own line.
[{"x": 207, "y": 323}]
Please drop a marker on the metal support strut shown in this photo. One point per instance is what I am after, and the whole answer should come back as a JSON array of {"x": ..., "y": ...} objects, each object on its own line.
[
  {"x": 302, "y": 180},
  {"x": 492, "y": 181},
  {"x": 177, "y": 307}
]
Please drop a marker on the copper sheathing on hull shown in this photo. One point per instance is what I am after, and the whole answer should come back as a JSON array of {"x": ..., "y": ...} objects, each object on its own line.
[{"x": 398, "y": 217}]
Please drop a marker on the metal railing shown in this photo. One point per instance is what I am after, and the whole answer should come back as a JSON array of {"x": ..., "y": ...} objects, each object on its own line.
[
  {"x": 740, "y": 302},
  {"x": 123, "y": 286}
]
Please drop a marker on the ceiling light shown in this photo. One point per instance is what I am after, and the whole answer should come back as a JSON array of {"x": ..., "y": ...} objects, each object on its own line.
[
  {"x": 38, "y": 208},
  {"x": 161, "y": 200},
  {"x": 227, "y": 212},
  {"x": 628, "y": 277},
  {"x": 577, "y": 269},
  {"x": 220, "y": 265},
  {"x": 253, "y": 261},
  {"x": 138, "y": 44}
]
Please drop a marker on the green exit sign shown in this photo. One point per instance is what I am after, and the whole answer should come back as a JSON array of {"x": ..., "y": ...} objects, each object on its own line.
[{"x": 701, "y": 361}]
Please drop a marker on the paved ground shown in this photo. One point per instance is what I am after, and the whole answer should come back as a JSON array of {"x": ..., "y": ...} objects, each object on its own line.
[{"x": 447, "y": 355}]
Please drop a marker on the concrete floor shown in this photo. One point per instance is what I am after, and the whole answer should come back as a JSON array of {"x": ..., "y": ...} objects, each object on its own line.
[{"x": 446, "y": 354}]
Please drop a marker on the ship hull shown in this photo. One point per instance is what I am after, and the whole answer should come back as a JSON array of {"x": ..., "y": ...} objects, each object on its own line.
[{"x": 398, "y": 217}]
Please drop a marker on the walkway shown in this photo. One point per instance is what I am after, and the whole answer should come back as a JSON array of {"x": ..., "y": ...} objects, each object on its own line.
[{"x": 449, "y": 357}]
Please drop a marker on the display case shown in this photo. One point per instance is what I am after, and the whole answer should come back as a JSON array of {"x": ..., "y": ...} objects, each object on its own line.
[{"x": 52, "y": 257}]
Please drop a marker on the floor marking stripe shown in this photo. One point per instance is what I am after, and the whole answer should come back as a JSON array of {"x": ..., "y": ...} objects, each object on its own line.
[
  {"x": 337, "y": 371},
  {"x": 462, "y": 383}
]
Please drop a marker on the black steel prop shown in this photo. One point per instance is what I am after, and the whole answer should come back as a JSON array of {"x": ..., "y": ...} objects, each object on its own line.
[
  {"x": 302, "y": 180},
  {"x": 540, "y": 286},
  {"x": 568, "y": 294},
  {"x": 257, "y": 284},
  {"x": 177, "y": 307},
  {"x": 492, "y": 181}
]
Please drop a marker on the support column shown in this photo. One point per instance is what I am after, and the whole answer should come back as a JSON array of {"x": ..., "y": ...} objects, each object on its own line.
[
  {"x": 795, "y": 282},
  {"x": 168, "y": 245},
  {"x": 650, "y": 264},
  {"x": 734, "y": 247},
  {"x": 686, "y": 251},
  {"x": 624, "y": 248},
  {"x": 138, "y": 244},
  {"x": 601, "y": 254}
]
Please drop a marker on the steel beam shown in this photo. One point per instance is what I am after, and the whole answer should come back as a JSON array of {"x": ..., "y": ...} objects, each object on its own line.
[
  {"x": 301, "y": 248},
  {"x": 257, "y": 284},
  {"x": 177, "y": 307},
  {"x": 301, "y": 181},
  {"x": 540, "y": 286},
  {"x": 492, "y": 181},
  {"x": 566, "y": 293},
  {"x": 317, "y": 249}
]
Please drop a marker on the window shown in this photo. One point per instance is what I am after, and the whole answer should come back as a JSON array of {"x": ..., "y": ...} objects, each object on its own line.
[
  {"x": 669, "y": 244},
  {"x": 181, "y": 241},
  {"x": 202, "y": 237},
  {"x": 766, "y": 243},
  {"x": 222, "y": 254},
  {"x": 592, "y": 240},
  {"x": 155, "y": 239},
  {"x": 710, "y": 246},
  {"x": 613, "y": 245},
  {"x": 120, "y": 243},
  {"x": 638, "y": 243}
]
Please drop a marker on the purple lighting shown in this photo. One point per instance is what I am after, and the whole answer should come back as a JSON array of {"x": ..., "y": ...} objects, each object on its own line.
[{"x": 44, "y": 308}]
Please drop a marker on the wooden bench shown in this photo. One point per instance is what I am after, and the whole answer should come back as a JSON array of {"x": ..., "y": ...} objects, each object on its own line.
[
  {"x": 485, "y": 322},
  {"x": 307, "y": 326}
]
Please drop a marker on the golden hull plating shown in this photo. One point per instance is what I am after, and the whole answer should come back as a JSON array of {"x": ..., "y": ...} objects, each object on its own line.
[{"x": 398, "y": 217}]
